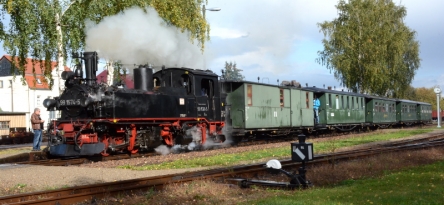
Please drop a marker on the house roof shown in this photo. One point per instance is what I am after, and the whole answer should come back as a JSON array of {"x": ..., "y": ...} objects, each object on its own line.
[
  {"x": 128, "y": 81},
  {"x": 32, "y": 80}
]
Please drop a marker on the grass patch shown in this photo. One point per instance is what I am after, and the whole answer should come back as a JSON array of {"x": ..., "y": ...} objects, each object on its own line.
[
  {"x": 15, "y": 151},
  {"x": 419, "y": 185},
  {"x": 281, "y": 152},
  {"x": 332, "y": 145}
]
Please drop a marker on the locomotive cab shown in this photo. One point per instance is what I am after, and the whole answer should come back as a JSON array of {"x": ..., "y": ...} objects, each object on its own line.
[{"x": 199, "y": 91}]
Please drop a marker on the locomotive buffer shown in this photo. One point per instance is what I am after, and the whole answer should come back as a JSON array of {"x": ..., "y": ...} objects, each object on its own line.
[{"x": 300, "y": 152}]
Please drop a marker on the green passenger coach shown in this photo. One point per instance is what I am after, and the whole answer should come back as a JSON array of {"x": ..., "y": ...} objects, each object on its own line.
[
  {"x": 380, "y": 110},
  {"x": 424, "y": 111},
  {"x": 406, "y": 111},
  {"x": 256, "y": 107},
  {"x": 339, "y": 108}
]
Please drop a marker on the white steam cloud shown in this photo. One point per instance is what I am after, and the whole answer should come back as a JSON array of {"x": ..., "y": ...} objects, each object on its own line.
[{"x": 136, "y": 37}]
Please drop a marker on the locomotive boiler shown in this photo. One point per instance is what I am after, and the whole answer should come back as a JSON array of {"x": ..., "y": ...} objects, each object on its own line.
[{"x": 173, "y": 107}]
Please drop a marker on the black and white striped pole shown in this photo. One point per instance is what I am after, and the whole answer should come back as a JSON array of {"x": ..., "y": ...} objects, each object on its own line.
[{"x": 438, "y": 111}]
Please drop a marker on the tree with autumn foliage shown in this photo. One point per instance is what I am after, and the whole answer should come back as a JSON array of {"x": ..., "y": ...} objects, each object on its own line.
[
  {"x": 51, "y": 29},
  {"x": 369, "y": 48},
  {"x": 427, "y": 95}
]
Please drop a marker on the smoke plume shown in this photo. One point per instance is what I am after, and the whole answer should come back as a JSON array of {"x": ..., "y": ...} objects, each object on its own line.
[{"x": 136, "y": 37}]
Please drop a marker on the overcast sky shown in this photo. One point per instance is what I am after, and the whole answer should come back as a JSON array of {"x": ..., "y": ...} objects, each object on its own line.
[{"x": 280, "y": 39}]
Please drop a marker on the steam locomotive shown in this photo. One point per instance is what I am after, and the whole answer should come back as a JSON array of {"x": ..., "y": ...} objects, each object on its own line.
[
  {"x": 175, "y": 106},
  {"x": 189, "y": 108}
]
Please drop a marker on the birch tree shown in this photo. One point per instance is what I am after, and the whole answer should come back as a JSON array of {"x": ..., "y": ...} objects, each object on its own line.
[
  {"x": 51, "y": 30},
  {"x": 369, "y": 48}
]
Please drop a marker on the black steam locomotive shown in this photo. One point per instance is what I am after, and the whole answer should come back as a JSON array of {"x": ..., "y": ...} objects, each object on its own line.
[{"x": 174, "y": 107}]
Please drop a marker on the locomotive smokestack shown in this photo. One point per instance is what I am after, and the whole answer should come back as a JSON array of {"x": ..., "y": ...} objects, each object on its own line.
[
  {"x": 91, "y": 60},
  {"x": 143, "y": 78}
]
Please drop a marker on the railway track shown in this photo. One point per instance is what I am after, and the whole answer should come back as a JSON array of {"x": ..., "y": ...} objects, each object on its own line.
[
  {"x": 92, "y": 192},
  {"x": 40, "y": 158}
]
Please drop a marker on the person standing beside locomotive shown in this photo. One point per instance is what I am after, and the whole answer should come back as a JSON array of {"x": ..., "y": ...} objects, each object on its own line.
[
  {"x": 37, "y": 126},
  {"x": 316, "y": 105}
]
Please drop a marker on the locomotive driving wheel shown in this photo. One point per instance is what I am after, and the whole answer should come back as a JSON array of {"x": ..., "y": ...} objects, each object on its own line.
[
  {"x": 105, "y": 140},
  {"x": 134, "y": 151}
]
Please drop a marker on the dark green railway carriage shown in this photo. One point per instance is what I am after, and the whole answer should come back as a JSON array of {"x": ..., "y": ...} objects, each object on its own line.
[
  {"x": 380, "y": 110},
  {"x": 339, "y": 108},
  {"x": 424, "y": 112},
  {"x": 406, "y": 111},
  {"x": 256, "y": 107}
]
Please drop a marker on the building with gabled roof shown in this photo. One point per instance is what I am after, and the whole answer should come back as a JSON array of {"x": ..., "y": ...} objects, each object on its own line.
[{"x": 24, "y": 93}]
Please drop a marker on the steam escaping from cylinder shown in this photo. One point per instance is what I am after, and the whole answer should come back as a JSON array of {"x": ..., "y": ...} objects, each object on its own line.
[
  {"x": 196, "y": 133},
  {"x": 162, "y": 149},
  {"x": 135, "y": 37}
]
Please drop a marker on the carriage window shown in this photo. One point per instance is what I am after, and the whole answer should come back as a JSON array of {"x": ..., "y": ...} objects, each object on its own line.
[
  {"x": 353, "y": 103},
  {"x": 329, "y": 101},
  {"x": 342, "y": 102},
  {"x": 281, "y": 96},
  {"x": 307, "y": 102},
  {"x": 386, "y": 107},
  {"x": 337, "y": 102},
  {"x": 362, "y": 103},
  {"x": 249, "y": 95},
  {"x": 357, "y": 103},
  {"x": 348, "y": 103}
]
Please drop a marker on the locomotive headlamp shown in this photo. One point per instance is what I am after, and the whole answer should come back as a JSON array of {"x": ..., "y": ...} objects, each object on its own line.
[
  {"x": 67, "y": 75},
  {"x": 49, "y": 103}
]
